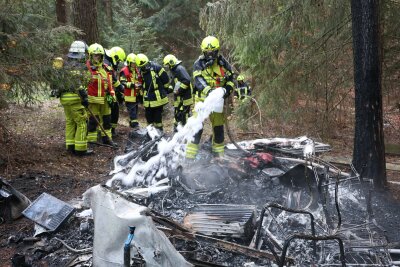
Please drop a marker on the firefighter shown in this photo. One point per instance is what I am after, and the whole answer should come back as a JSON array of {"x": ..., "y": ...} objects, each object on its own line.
[
  {"x": 101, "y": 93},
  {"x": 211, "y": 70},
  {"x": 73, "y": 98},
  {"x": 155, "y": 84},
  {"x": 131, "y": 79},
  {"x": 243, "y": 90},
  {"x": 182, "y": 88},
  {"x": 112, "y": 58}
]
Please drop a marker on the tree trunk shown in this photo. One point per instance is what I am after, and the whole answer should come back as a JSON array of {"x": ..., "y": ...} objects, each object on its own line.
[
  {"x": 85, "y": 18},
  {"x": 61, "y": 8},
  {"x": 108, "y": 7},
  {"x": 369, "y": 148}
]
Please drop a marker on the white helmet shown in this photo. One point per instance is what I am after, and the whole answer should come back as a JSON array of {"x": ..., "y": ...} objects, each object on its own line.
[{"x": 77, "y": 50}]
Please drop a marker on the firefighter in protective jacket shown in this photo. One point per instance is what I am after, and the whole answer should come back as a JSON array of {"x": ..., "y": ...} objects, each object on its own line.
[
  {"x": 243, "y": 90},
  {"x": 155, "y": 84},
  {"x": 100, "y": 94},
  {"x": 182, "y": 88},
  {"x": 210, "y": 71},
  {"x": 132, "y": 81},
  {"x": 112, "y": 58},
  {"x": 67, "y": 85}
]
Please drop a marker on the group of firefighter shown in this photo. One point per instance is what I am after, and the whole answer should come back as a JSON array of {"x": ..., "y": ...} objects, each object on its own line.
[{"x": 91, "y": 88}]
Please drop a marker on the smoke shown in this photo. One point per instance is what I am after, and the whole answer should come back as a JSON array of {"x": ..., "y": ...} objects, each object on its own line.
[{"x": 170, "y": 152}]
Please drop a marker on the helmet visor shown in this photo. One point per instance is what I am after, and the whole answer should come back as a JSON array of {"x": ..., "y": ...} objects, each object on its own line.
[{"x": 211, "y": 54}]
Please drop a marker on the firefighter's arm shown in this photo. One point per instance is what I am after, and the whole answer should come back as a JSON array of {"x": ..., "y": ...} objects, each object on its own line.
[
  {"x": 184, "y": 80},
  {"x": 199, "y": 81},
  {"x": 163, "y": 77},
  {"x": 124, "y": 81}
]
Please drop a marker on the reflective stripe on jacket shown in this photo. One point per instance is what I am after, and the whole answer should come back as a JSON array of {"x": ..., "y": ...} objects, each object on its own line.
[
  {"x": 206, "y": 78},
  {"x": 155, "y": 81},
  {"x": 129, "y": 80},
  {"x": 181, "y": 75},
  {"x": 100, "y": 83}
]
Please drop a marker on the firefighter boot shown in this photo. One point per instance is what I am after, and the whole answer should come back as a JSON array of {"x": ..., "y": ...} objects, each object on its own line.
[
  {"x": 84, "y": 153},
  {"x": 108, "y": 141},
  {"x": 71, "y": 149}
]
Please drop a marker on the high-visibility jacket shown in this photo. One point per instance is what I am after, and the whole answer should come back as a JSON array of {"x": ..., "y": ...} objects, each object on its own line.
[
  {"x": 206, "y": 78},
  {"x": 184, "y": 96},
  {"x": 100, "y": 83},
  {"x": 243, "y": 90},
  {"x": 130, "y": 80},
  {"x": 155, "y": 82},
  {"x": 113, "y": 69}
]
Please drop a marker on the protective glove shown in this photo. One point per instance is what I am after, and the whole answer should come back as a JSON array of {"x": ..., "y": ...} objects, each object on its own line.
[
  {"x": 170, "y": 89},
  {"x": 85, "y": 102},
  {"x": 120, "y": 97},
  {"x": 110, "y": 99}
]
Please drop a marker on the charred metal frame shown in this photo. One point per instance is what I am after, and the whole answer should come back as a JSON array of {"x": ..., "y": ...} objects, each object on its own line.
[
  {"x": 277, "y": 206},
  {"x": 314, "y": 239}
]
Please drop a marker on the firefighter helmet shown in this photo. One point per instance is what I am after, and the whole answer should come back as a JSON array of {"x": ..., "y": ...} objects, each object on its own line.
[
  {"x": 131, "y": 59},
  {"x": 58, "y": 63},
  {"x": 96, "y": 49},
  {"x": 117, "y": 54},
  {"x": 210, "y": 43},
  {"x": 77, "y": 50},
  {"x": 141, "y": 60},
  {"x": 240, "y": 78},
  {"x": 170, "y": 61}
]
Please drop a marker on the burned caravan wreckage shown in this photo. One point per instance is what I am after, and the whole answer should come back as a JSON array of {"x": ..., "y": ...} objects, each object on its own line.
[
  {"x": 273, "y": 204},
  {"x": 267, "y": 202}
]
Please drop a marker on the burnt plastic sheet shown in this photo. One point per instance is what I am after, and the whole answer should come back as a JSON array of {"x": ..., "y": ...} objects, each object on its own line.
[{"x": 48, "y": 211}]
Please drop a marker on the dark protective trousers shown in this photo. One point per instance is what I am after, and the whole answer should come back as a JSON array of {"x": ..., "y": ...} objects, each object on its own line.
[{"x": 154, "y": 116}]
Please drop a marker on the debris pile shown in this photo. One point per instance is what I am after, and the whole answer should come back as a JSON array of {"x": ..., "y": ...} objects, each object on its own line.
[{"x": 267, "y": 202}]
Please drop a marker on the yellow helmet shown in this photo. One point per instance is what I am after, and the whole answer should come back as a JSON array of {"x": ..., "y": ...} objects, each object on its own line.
[
  {"x": 170, "y": 61},
  {"x": 117, "y": 54},
  {"x": 96, "y": 49},
  {"x": 58, "y": 63},
  {"x": 210, "y": 43},
  {"x": 130, "y": 59},
  {"x": 141, "y": 60},
  {"x": 240, "y": 78}
]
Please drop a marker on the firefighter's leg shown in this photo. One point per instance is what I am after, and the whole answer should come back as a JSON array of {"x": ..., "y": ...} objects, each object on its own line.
[
  {"x": 217, "y": 122},
  {"x": 80, "y": 119},
  {"x": 192, "y": 148},
  {"x": 157, "y": 116},
  {"x": 176, "y": 118},
  {"x": 114, "y": 116},
  {"x": 105, "y": 111},
  {"x": 186, "y": 112},
  {"x": 132, "y": 108},
  {"x": 148, "y": 115},
  {"x": 70, "y": 128},
  {"x": 92, "y": 124}
]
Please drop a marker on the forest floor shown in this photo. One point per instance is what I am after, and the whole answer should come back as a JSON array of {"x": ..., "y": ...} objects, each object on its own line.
[{"x": 34, "y": 160}]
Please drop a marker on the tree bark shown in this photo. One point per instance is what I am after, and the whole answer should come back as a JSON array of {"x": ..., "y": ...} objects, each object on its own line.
[
  {"x": 61, "y": 9},
  {"x": 85, "y": 18},
  {"x": 369, "y": 147}
]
